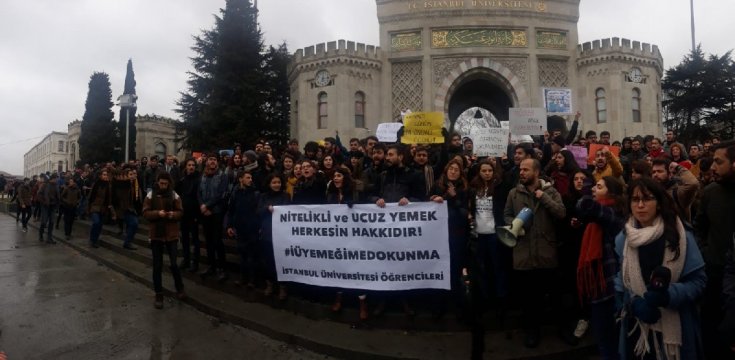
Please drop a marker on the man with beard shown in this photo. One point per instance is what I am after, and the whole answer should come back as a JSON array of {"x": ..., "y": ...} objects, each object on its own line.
[
  {"x": 607, "y": 164},
  {"x": 682, "y": 185},
  {"x": 715, "y": 229},
  {"x": 656, "y": 149},
  {"x": 397, "y": 184},
  {"x": 421, "y": 164},
  {"x": 126, "y": 198},
  {"x": 534, "y": 258},
  {"x": 695, "y": 155},
  {"x": 211, "y": 199},
  {"x": 374, "y": 168},
  {"x": 187, "y": 187}
]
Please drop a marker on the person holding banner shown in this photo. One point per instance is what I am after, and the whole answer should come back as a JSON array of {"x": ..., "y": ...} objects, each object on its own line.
[
  {"x": 397, "y": 184},
  {"x": 273, "y": 196},
  {"x": 452, "y": 188},
  {"x": 341, "y": 190},
  {"x": 311, "y": 187}
]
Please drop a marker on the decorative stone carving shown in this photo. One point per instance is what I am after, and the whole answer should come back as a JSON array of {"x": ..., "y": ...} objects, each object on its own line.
[
  {"x": 407, "y": 84},
  {"x": 406, "y": 41},
  {"x": 553, "y": 73},
  {"x": 551, "y": 39},
  {"x": 442, "y": 68},
  {"x": 478, "y": 37},
  {"x": 519, "y": 67}
]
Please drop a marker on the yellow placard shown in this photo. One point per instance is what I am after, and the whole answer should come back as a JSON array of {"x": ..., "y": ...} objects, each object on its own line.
[{"x": 423, "y": 128}]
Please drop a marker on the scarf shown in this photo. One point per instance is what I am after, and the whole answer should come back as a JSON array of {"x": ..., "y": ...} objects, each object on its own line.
[
  {"x": 670, "y": 324},
  {"x": 429, "y": 177},
  {"x": 590, "y": 277}
]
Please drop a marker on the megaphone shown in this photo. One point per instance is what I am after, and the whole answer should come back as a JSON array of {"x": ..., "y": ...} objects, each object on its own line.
[{"x": 508, "y": 235}]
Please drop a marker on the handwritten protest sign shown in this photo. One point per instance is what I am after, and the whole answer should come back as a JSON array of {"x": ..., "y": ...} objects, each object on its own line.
[
  {"x": 527, "y": 121},
  {"x": 388, "y": 132},
  {"x": 580, "y": 155},
  {"x": 423, "y": 128},
  {"x": 593, "y": 150},
  {"x": 363, "y": 247},
  {"x": 490, "y": 141}
]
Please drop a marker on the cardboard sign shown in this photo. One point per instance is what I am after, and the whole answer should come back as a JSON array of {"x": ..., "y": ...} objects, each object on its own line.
[
  {"x": 593, "y": 150},
  {"x": 388, "y": 132},
  {"x": 580, "y": 155},
  {"x": 558, "y": 100},
  {"x": 527, "y": 121},
  {"x": 423, "y": 128},
  {"x": 490, "y": 141}
]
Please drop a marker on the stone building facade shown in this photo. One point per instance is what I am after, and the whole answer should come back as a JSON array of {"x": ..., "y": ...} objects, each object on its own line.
[
  {"x": 456, "y": 56},
  {"x": 156, "y": 135},
  {"x": 49, "y": 155}
]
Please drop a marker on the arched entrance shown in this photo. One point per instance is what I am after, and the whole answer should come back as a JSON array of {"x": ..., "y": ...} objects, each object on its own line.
[
  {"x": 477, "y": 102},
  {"x": 482, "y": 86}
]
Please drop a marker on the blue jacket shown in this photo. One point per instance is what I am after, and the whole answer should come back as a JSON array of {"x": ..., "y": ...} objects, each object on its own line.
[
  {"x": 212, "y": 192},
  {"x": 683, "y": 296}
]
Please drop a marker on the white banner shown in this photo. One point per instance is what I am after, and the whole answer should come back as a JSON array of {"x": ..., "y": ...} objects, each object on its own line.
[
  {"x": 490, "y": 141},
  {"x": 388, "y": 132},
  {"x": 527, "y": 121},
  {"x": 365, "y": 247}
]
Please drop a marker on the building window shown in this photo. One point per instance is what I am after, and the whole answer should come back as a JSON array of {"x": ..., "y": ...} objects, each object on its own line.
[
  {"x": 636, "y": 105},
  {"x": 360, "y": 110},
  {"x": 61, "y": 146},
  {"x": 61, "y": 166},
  {"x": 322, "y": 121},
  {"x": 73, "y": 153},
  {"x": 601, "y": 105},
  {"x": 160, "y": 150},
  {"x": 296, "y": 114}
]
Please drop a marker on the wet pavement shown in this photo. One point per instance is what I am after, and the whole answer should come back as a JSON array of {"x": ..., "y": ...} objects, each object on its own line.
[{"x": 57, "y": 304}]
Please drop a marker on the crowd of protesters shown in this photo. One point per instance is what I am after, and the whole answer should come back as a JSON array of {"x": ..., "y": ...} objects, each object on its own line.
[{"x": 636, "y": 246}]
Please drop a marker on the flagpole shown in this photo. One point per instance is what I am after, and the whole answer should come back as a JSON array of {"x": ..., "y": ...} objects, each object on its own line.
[{"x": 694, "y": 43}]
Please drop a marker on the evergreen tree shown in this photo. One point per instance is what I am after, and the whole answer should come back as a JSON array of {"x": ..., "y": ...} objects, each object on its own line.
[
  {"x": 699, "y": 96},
  {"x": 232, "y": 86},
  {"x": 277, "y": 105},
  {"x": 129, "y": 89},
  {"x": 97, "y": 138}
]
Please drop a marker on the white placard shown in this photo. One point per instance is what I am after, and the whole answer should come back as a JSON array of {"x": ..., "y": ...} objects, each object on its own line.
[
  {"x": 527, "y": 121},
  {"x": 363, "y": 247},
  {"x": 490, "y": 141},
  {"x": 388, "y": 132}
]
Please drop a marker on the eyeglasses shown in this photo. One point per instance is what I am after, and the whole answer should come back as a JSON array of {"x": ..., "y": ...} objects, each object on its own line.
[{"x": 635, "y": 200}]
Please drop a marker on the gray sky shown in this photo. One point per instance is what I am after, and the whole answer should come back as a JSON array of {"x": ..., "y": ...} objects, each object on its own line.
[{"x": 49, "y": 48}]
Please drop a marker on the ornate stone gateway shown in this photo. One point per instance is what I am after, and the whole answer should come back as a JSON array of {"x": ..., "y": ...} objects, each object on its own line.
[{"x": 473, "y": 60}]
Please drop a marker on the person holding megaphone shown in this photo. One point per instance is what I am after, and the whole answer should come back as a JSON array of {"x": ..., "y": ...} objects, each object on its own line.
[{"x": 539, "y": 205}]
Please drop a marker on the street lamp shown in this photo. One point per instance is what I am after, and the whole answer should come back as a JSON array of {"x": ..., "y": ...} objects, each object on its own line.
[{"x": 127, "y": 102}]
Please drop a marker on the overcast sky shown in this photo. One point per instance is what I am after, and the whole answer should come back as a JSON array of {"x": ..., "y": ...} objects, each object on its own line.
[{"x": 49, "y": 48}]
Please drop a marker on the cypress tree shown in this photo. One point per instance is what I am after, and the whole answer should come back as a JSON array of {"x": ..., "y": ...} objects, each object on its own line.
[
  {"x": 129, "y": 89},
  {"x": 97, "y": 139}
]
